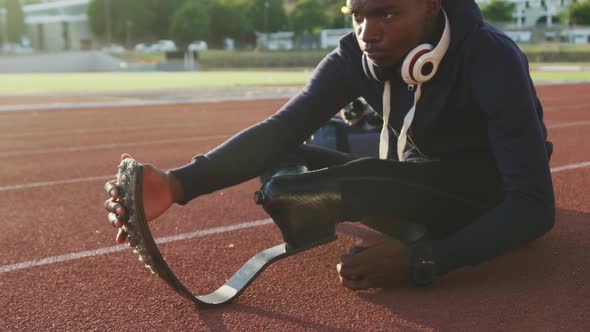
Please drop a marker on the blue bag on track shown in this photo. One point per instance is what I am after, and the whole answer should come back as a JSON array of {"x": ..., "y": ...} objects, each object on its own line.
[{"x": 356, "y": 130}]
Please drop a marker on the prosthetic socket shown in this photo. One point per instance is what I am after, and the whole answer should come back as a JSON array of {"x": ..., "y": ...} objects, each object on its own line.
[{"x": 305, "y": 206}]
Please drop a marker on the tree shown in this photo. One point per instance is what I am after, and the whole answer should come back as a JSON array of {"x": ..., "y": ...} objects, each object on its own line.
[
  {"x": 190, "y": 22},
  {"x": 15, "y": 22},
  {"x": 498, "y": 11},
  {"x": 141, "y": 20},
  {"x": 308, "y": 16},
  {"x": 228, "y": 21},
  {"x": 163, "y": 13},
  {"x": 336, "y": 19},
  {"x": 267, "y": 15},
  {"x": 2, "y": 35},
  {"x": 129, "y": 19},
  {"x": 580, "y": 13}
]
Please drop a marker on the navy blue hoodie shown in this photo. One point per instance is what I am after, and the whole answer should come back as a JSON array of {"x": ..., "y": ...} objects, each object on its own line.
[{"x": 480, "y": 105}]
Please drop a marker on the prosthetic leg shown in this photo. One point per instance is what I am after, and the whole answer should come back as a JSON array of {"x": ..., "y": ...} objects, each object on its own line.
[
  {"x": 273, "y": 197},
  {"x": 306, "y": 206}
]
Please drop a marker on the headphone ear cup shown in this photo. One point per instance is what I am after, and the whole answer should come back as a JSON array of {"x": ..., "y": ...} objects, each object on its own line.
[{"x": 413, "y": 64}]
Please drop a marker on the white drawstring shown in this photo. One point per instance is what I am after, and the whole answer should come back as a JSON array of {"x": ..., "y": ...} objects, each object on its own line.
[
  {"x": 403, "y": 136},
  {"x": 384, "y": 139}
]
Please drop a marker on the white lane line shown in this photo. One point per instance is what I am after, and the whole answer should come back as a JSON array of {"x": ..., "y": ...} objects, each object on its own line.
[
  {"x": 568, "y": 124},
  {"x": 85, "y": 148},
  {"x": 183, "y": 125},
  {"x": 109, "y": 177},
  {"x": 551, "y": 109},
  {"x": 140, "y": 103},
  {"x": 166, "y": 141},
  {"x": 570, "y": 167},
  {"x": 100, "y": 130},
  {"x": 56, "y": 183},
  {"x": 113, "y": 249}
]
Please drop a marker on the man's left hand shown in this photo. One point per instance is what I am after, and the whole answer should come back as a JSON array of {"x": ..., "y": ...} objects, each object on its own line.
[{"x": 385, "y": 262}]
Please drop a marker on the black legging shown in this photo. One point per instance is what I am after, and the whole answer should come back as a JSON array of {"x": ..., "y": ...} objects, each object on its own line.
[{"x": 444, "y": 196}]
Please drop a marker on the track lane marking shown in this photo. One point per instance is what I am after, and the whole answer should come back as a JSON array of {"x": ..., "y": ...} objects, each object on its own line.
[
  {"x": 553, "y": 109},
  {"x": 57, "y": 107},
  {"x": 570, "y": 167},
  {"x": 85, "y": 148},
  {"x": 113, "y": 249},
  {"x": 42, "y": 133},
  {"x": 190, "y": 139},
  {"x": 184, "y": 125},
  {"x": 56, "y": 183},
  {"x": 110, "y": 177},
  {"x": 568, "y": 124},
  {"x": 67, "y": 106}
]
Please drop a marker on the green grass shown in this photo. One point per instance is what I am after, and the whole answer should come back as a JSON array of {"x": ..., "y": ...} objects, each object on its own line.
[
  {"x": 541, "y": 77},
  {"x": 555, "y": 47},
  {"x": 118, "y": 82},
  {"x": 14, "y": 84},
  {"x": 533, "y": 65}
]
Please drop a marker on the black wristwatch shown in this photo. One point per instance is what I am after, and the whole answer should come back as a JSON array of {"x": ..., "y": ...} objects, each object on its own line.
[{"x": 423, "y": 264}]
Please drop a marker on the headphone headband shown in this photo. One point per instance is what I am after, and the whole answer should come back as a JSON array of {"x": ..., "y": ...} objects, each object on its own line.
[{"x": 445, "y": 40}]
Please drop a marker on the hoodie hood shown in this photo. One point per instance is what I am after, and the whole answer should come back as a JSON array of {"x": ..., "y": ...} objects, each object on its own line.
[{"x": 465, "y": 17}]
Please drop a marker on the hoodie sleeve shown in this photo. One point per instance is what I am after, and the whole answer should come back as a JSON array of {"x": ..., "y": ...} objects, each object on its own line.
[
  {"x": 503, "y": 90},
  {"x": 250, "y": 152}
]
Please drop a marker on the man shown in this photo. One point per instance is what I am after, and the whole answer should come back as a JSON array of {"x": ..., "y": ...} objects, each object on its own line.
[{"x": 471, "y": 172}]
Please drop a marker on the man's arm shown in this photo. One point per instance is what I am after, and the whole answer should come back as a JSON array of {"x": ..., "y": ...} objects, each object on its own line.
[
  {"x": 503, "y": 89},
  {"x": 251, "y": 152}
]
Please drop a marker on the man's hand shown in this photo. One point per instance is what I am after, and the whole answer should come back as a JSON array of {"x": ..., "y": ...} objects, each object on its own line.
[
  {"x": 160, "y": 191},
  {"x": 385, "y": 262}
]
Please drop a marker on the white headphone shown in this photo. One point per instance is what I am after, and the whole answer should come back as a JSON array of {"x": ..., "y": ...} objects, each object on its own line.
[{"x": 420, "y": 65}]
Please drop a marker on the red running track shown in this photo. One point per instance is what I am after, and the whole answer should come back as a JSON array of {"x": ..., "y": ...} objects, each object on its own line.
[{"x": 542, "y": 287}]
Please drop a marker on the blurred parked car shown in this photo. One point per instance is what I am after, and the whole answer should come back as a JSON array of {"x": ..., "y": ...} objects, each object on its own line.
[
  {"x": 142, "y": 47},
  {"x": 16, "y": 48},
  {"x": 159, "y": 46},
  {"x": 164, "y": 46},
  {"x": 198, "y": 46},
  {"x": 113, "y": 48}
]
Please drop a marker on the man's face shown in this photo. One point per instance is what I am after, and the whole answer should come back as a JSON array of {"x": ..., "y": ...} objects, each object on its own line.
[{"x": 387, "y": 30}]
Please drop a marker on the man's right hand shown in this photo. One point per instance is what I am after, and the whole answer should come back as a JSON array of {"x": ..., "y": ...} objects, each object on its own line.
[{"x": 160, "y": 190}]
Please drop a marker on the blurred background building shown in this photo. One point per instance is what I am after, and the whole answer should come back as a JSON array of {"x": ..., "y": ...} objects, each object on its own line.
[
  {"x": 58, "y": 25},
  {"x": 531, "y": 13}
]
